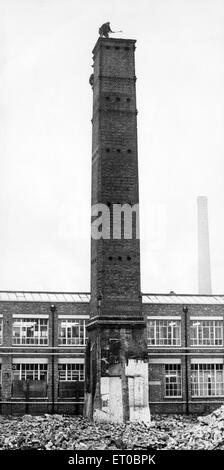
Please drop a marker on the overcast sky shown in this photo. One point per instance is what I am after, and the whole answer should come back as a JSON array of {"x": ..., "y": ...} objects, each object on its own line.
[{"x": 45, "y": 138}]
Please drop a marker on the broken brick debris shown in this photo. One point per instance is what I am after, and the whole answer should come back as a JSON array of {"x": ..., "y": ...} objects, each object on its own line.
[{"x": 60, "y": 432}]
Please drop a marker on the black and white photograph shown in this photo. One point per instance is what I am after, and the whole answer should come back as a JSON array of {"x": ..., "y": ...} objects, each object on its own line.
[{"x": 111, "y": 232}]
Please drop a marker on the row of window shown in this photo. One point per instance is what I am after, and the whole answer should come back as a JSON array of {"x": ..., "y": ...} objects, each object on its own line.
[
  {"x": 168, "y": 332},
  {"x": 33, "y": 372},
  {"x": 207, "y": 380},
  {"x": 35, "y": 331},
  {"x": 72, "y": 332}
]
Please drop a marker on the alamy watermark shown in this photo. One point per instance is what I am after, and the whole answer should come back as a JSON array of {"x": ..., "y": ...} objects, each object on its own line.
[{"x": 117, "y": 221}]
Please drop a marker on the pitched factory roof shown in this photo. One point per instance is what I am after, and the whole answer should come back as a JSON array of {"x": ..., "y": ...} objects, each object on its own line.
[
  {"x": 13, "y": 296},
  {"x": 84, "y": 297},
  {"x": 182, "y": 299}
]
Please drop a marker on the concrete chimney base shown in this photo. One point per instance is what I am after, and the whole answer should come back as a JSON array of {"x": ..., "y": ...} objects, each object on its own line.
[
  {"x": 118, "y": 384},
  {"x": 134, "y": 395}
]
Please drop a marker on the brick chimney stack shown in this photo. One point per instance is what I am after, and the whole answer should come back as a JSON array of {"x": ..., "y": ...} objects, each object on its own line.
[{"x": 116, "y": 354}]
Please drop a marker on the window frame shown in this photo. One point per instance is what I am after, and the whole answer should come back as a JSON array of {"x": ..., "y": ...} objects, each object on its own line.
[
  {"x": 158, "y": 338},
  {"x": 69, "y": 369},
  {"x": 206, "y": 371},
  {"x": 199, "y": 327},
  {"x": 22, "y": 324},
  {"x": 173, "y": 371},
  {"x": 69, "y": 339},
  {"x": 25, "y": 369}
]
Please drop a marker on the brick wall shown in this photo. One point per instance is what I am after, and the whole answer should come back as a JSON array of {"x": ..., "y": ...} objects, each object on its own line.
[
  {"x": 115, "y": 267},
  {"x": 158, "y": 402},
  {"x": 8, "y": 351}
]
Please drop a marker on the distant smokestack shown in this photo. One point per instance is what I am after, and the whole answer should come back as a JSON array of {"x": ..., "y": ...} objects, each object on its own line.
[{"x": 204, "y": 268}]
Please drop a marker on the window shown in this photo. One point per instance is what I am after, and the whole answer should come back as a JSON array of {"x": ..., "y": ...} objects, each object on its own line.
[
  {"x": 164, "y": 332},
  {"x": 206, "y": 332},
  {"x": 72, "y": 332},
  {"x": 207, "y": 380},
  {"x": 71, "y": 372},
  {"x": 173, "y": 380},
  {"x": 30, "y": 331},
  {"x": 29, "y": 372},
  {"x": 0, "y": 375},
  {"x": 1, "y": 331}
]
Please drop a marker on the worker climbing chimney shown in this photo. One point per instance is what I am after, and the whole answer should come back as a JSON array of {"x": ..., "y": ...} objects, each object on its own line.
[{"x": 105, "y": 30}]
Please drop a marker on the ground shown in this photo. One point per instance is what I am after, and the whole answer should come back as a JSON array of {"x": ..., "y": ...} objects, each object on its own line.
[{"x": 51, "y": 432}]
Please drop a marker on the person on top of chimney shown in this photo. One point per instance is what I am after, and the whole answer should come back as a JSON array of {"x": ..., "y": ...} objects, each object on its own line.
[{"x": 104, "y": 30}]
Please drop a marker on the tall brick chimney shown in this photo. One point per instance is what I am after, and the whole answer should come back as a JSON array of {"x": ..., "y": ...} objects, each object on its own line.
[
  {"x": 116, "y": 354},
  {"x": 204, "y": 268}
]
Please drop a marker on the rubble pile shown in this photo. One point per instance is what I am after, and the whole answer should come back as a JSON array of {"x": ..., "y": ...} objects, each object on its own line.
[
  {"x": 206, "y": 434},
  {"x": 50, "y": 432}
]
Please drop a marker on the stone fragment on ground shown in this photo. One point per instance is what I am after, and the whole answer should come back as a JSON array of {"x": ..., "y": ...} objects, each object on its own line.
[{"x": 51, "y": 432}]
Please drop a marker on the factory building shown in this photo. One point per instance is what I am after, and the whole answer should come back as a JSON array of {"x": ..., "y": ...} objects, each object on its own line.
[
  {"x": 115, "y": 353},
  {"x": 185, "y": 352},
  {"x": 42, "y": 352}
]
